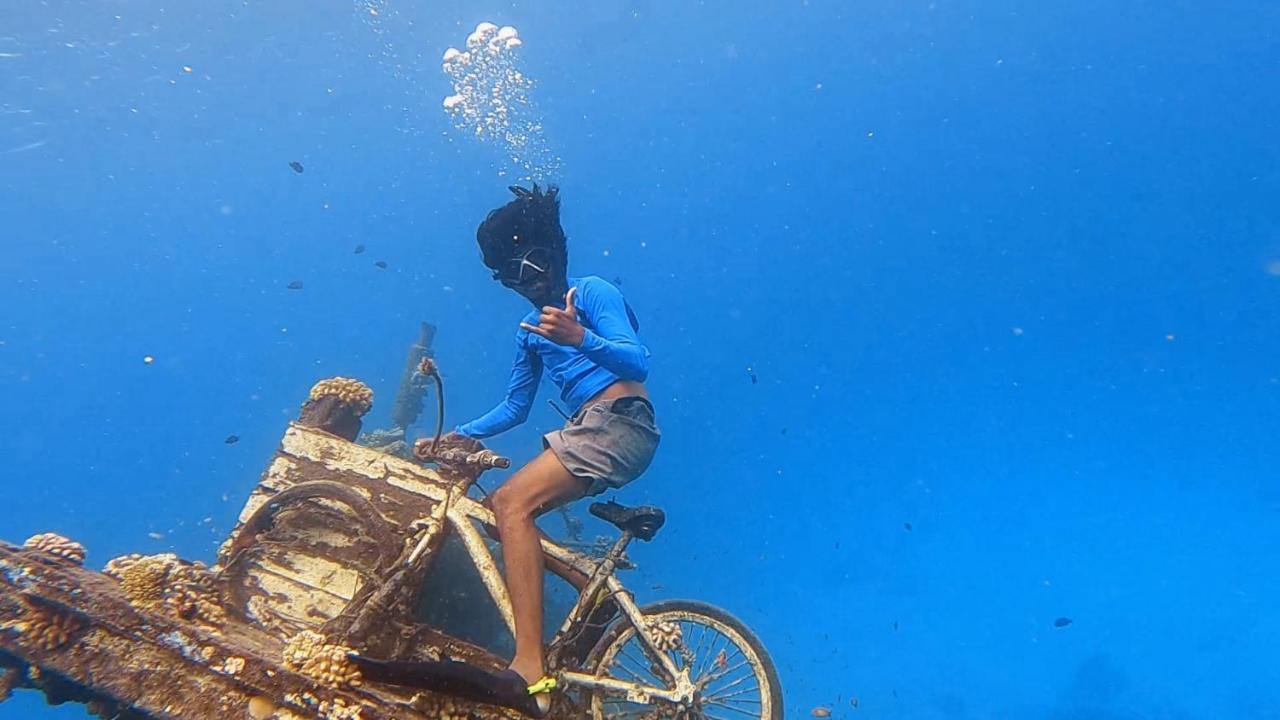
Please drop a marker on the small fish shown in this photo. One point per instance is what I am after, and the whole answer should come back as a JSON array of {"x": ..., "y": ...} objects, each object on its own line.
[
  {"x": 359, "y": 249},
  {"x": 853, "y": 702},
  {"x": 895, "y": 626},
  {"x": 155, "y": 535},
  {"x": 1062, "y": 622},
  {"x": 820, "y": 712},
  {"x": 232, "y": 439},
  {"x": 617, "y": 280},
  {"x": 297, "y": 166},
  {"x": 382, "y": 264},
  {"x": 753, "y": 377},
  {"x": 784, "y": 431},
  {"x": 906, "y": 526},
  {"x": 295, "y": 285}
]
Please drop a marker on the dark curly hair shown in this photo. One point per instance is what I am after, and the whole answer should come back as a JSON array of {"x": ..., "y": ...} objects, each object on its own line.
[{"x": 532, "y": 219}]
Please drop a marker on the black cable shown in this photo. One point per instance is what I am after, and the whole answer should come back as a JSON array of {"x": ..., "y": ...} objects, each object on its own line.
[
  {"x": 556, "y": 407},
  {"x": 439, "y": 409}
]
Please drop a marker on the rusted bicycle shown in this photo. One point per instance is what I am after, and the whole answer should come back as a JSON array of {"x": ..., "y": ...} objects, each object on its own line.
[{"x": 671, "y": 659}]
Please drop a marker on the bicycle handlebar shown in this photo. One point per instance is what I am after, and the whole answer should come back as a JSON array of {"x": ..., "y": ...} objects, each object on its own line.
[{"x": 484, "y": 458}]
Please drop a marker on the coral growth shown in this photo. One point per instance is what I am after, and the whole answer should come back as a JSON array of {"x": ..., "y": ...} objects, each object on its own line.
[
  {"x": 164, "y": 583},
  {"x": 58, "y": 546},
  {"x": 309, "y": 654},
  {"x": 330, "y": 709},
  {"x": 230, "y": 666},
  {"x": 352, "y": 392},
  {"x": 338, "y": 709},
  {"x": 48, "y": 627},
  {"x": 666, "y": 635},
  {"x": 441, "y": 707}
]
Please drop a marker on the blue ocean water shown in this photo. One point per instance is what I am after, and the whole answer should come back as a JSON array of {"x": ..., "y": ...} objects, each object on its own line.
[{"x": 963, "y": 314}]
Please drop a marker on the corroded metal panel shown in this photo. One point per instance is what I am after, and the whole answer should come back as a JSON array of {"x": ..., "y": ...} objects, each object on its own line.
[{"x": 314, "y": 555}]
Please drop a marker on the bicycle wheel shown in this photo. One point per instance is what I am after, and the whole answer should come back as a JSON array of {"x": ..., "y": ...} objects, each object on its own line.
[{"x": 734, "y": 676}]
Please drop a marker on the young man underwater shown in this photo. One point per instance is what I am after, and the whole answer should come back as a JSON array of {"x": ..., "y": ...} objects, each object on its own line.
[{"x": 583, "y": 334}]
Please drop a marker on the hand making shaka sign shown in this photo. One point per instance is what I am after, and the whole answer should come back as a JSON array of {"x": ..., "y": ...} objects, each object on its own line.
[{"x": 559, "y": 326}]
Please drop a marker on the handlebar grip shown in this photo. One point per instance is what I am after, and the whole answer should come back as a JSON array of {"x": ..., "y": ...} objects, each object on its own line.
[
  {"x": 488, "y": 458},
  {"x": 482, "y": 458}
]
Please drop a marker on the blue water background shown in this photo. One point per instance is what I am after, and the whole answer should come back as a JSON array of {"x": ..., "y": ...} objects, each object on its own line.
[{"x": 1001, "y": 269}]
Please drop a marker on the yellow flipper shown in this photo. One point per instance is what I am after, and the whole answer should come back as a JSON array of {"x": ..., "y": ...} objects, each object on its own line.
[{"x": 545, "y": 685}]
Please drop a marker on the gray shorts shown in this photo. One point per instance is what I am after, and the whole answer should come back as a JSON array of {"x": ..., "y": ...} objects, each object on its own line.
[{"x": 607, "y": 443}]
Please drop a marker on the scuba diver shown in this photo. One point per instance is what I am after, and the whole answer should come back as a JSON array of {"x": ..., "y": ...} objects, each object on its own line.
[{"x": 583, "y": 334}]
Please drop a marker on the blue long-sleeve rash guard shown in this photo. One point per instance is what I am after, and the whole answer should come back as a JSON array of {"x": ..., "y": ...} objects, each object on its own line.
[{"x": 610, "y": 351}]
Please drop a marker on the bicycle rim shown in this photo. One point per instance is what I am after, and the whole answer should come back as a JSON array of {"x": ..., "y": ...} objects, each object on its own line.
[{"x": 736, "y": 679}]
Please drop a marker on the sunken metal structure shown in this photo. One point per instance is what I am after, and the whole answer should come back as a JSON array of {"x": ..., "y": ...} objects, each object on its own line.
[{"x": 332, "y": 553}]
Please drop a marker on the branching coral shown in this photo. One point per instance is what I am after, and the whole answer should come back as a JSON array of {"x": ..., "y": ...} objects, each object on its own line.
[
  {"x": 352, "y": 392},
  {"x": 58, "y": 546},
  {"x": 309, "y": 654},
  {"x": 164, "y": 583}
]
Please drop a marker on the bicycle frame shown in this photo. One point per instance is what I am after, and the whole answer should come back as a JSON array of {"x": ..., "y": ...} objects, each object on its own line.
[{"x": 452, "y": 508}]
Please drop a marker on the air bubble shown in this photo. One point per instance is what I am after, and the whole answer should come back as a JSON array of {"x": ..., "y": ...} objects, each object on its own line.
[{"x": 491, "y": 99}]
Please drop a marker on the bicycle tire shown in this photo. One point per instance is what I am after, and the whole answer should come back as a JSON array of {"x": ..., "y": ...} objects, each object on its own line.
[{"x": 689, "y": 611}]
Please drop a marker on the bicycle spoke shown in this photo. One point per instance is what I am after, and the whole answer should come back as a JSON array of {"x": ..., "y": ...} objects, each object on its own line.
[
  {"x": 719, "y": 695},
  {"x": 697, "y": 653},
  {"x": 730, "y": 708},
  {"x": 730, "y": 682},
  {"x": 630, "y": 672},
  {"x": 731, "y": 702},
  {"x": 641, "y": 664},
  {"x": 703, "y": 661},
  {"x": 706, "y": 683}
]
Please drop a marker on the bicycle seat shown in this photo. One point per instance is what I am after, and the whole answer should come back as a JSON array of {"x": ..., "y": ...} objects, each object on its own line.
[{"x": 642, "y": 522}]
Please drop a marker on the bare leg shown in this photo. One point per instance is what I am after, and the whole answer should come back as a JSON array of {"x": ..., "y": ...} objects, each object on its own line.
[
  {"x": 537, "y": 487},
  {"x": 570, "y": 574}
]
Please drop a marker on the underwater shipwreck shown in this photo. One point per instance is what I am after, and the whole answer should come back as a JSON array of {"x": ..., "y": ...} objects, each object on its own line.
[{"x": 337, "y": 547}]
